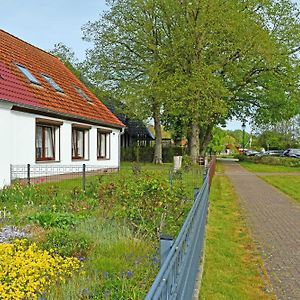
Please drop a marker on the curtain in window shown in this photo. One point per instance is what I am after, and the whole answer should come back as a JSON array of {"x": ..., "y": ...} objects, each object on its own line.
[
  {"x": 39, "y": 142},
  {"x": 45, "y": 141},
  {"x": 49, "y": 143},
  {"x": 80, "y": 143},
  {"x": 103, "y": 145},
  {"x": 77, "y": 143},
  {"x": 74, "y": 139}
]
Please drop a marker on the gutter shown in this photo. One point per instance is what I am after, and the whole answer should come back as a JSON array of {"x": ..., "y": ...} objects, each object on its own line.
[{"x": 50, "y": 113}]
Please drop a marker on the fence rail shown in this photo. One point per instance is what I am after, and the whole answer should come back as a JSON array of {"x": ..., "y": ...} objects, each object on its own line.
[
  {"x": 180, "y": 266},
  {"x": 34, "y": 174}
]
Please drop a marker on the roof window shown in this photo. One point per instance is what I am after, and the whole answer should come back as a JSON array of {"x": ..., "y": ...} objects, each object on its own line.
[
  {"x": 53, "y": 83},
  {"x": 28, "y": 75},
  {"x": 83, "y": 94}
]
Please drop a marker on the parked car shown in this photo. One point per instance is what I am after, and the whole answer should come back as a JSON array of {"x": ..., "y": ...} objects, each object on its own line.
[
  {"x": 251, "y": 152},
  {"x": 292, "y": 153},
  {"x": 271, "y": 153}
]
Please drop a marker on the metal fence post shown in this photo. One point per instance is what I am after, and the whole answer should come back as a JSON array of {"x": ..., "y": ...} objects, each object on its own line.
[
  {"x": 166, "y": 243},
  {"x": 171, "y": 178},
  {"x": 83, "y": 177},
  {"x": 28, "y": 174},
  {"x": 205, "y": 172}
]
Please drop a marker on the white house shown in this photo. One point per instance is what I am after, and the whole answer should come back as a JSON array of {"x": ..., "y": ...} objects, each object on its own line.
[{"x": 48, "y": 116}]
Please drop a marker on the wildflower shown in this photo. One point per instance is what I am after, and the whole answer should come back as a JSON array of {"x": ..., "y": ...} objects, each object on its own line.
[
  {"x": 155, "y": 259},
  {"x": 129, "y": 274},
  {"x": 86, "y": 292},
  {"x": 26, "y": 272}
]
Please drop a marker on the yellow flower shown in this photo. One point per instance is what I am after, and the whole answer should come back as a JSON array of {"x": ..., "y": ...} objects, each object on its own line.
[{"x": 26, "y": 271}]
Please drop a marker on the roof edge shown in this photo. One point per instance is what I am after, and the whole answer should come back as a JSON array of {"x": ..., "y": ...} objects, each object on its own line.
[{"x": 51, "y": 113}]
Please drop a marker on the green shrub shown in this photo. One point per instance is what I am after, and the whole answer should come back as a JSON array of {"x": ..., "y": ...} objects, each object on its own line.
[
  {"x": 136, "y": 153},
  {"x": 168, "y": 152},
  {"x": 146, "y": 154},
  {"x": 67, "y": 243},
  {"x": 271, "y": 160},
  {"x": 55, "y": 219},
  {"x": 186, "y": 163},
  {"x": 146, "y": 202}
]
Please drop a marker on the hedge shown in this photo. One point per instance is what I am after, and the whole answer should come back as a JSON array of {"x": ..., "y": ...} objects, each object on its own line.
[{"x": 146, "y": 154}]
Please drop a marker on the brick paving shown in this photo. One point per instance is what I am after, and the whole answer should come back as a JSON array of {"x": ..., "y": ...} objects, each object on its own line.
[{"x": 274, "y": 219}]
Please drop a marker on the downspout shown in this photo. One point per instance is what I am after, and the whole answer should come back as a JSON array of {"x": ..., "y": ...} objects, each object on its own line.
[{"x": 122, "y": 131}]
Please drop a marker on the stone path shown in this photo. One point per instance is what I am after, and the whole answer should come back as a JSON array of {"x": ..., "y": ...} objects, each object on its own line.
[{"x": 275, "y": 222}]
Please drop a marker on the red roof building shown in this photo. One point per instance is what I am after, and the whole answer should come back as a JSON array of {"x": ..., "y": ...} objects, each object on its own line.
[{"x": 48, "y": 118}]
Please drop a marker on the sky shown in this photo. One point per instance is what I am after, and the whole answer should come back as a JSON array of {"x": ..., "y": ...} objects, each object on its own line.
[{"x": 44, "y": 23}]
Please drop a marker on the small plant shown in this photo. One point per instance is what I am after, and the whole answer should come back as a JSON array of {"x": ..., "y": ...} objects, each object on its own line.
[
  {"x": 68, "y": 243},
  {"x": 136, "y": 168},
  {"x": 55, "y": 219},
  {"x": 186, "y": 163}
]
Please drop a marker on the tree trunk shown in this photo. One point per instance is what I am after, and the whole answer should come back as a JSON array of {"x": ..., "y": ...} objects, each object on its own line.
[
  {"x": 205, "y": 137},
  {"x": 194, "y": 142},
  {"x": 157, "y": 159}
]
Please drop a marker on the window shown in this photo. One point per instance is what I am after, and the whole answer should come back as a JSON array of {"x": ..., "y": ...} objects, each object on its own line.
[
  {"x": 103, "y": 144},
  {"x": 83, "y": 94},
  {"x": 77, "y": 143},
  {"x": 28, "y": 75},
  {"x": 53, "y": 83},
  {"x": 45, "y": 142},
  {"x": 80, "y": 141}
]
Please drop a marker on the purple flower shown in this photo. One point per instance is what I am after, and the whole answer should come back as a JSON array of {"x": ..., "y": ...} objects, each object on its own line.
[
  {"x": 86, "y": 291},
  {"x": 106, "y": 294},
  {"x": 155, "y": 259},
  {"x": 129, "y": 274}
]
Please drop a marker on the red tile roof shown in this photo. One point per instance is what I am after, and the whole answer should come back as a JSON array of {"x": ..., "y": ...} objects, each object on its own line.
[{"x": 16, "y": 88}]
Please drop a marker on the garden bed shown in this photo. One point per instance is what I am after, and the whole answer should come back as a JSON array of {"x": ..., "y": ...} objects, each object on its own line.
[{"x": 110, "y": 232}]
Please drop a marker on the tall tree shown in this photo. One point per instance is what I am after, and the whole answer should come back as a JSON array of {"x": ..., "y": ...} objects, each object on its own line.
[
  {"x": 126, "y": 58},
  {"x": 230, "y": 59},
  {"x": 199, "y": 62}
]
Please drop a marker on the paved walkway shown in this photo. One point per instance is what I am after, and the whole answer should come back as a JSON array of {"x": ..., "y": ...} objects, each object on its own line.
[{"x": 275, "y": 222}]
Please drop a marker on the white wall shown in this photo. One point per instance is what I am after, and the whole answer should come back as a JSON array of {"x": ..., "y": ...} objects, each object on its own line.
[
  {"x": 17, "y": 137},
  {"x": 5, "y": 143}
]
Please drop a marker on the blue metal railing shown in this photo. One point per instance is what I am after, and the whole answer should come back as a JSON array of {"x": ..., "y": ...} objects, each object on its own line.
[{"x": 177, "y": 276}]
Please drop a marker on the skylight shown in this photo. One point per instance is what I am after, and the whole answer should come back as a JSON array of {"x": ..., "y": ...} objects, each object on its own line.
[
  {"x": 28, "y": 75},
  {"x": 53, "y": 83},
  {"x": 83, "y": 94}
]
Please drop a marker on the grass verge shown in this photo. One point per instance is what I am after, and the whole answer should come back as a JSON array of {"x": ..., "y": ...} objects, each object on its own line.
[
  {"x": 233, "y": 269},
  {"x": 287, "y": 184},
  {"x": 256, "y": 167}
]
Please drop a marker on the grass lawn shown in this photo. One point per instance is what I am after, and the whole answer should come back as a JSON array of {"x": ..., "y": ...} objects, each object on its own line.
[
  {"x": 287, "y": 184},
  {"x": 256, "y": 167},
  {"x": 232, "y": 268}
]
